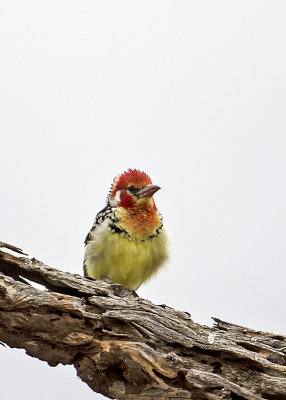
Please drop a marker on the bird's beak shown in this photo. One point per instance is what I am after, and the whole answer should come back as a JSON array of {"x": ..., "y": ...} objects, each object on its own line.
[{"x": 148, "y": 191}]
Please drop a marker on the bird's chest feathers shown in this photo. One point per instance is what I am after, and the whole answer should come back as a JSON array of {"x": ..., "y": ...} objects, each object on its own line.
[{"x": 139, "y": 223}]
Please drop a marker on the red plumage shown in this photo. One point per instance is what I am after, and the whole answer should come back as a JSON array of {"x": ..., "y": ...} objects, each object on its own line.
[
  {"x": 131, "y": 177},
  {"x": 126, "y": 200}
]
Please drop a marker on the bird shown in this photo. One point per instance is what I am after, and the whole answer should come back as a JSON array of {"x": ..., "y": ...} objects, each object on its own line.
[{"x": 127, "y": 242}]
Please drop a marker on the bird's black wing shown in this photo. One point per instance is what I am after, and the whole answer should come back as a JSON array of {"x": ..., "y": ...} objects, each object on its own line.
[{"x": 98, "y": 219}]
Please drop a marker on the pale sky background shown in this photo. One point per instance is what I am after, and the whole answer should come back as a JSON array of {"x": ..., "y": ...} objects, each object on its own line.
[{"x": 191, "y": 92}]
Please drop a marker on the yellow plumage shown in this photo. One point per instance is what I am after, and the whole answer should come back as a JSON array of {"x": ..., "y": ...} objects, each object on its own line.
[{"x": 126, "y": 261}]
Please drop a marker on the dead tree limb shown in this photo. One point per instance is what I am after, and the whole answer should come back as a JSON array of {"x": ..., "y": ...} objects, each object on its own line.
[{"x": 126, "y": 347}]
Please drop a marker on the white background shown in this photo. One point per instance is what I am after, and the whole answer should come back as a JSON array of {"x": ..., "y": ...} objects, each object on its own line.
[{"x": 191, "y": 92}]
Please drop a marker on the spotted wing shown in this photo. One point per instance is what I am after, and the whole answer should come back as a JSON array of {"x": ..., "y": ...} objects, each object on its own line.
[{"x": 101, "y": 216}]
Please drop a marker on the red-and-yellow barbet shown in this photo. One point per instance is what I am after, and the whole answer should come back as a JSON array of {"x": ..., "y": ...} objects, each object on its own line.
[{"x": 127, "y": 241}]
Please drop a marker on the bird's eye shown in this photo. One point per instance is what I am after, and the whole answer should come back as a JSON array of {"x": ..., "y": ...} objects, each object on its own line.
[{"x": 132, "y": 189}]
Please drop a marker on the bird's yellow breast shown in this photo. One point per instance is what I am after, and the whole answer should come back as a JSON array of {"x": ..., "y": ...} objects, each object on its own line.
[{"x": 125, "y": 260}]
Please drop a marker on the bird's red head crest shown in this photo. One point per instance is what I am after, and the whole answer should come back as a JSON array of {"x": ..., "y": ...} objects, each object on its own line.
[
  {"x": 130, "y": 187},
  {"x": 131, "y": 177}
]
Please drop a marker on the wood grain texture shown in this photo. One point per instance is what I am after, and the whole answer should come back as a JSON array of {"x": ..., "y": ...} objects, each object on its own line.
[{"x": 126, "y": 347}]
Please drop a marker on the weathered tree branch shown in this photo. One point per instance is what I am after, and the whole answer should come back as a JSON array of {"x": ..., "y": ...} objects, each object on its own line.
[{"x": 126, "y": 347}]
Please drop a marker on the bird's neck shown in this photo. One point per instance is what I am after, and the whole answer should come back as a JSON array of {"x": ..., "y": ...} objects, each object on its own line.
[{"x": 140, "y": 222}]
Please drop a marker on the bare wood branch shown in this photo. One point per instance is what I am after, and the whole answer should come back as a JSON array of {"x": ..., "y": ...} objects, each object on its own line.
[{"x": 126, "y": 347}]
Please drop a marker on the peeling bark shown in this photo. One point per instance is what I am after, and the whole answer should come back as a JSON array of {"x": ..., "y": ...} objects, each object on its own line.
[{"x": 125, "y": 347}]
